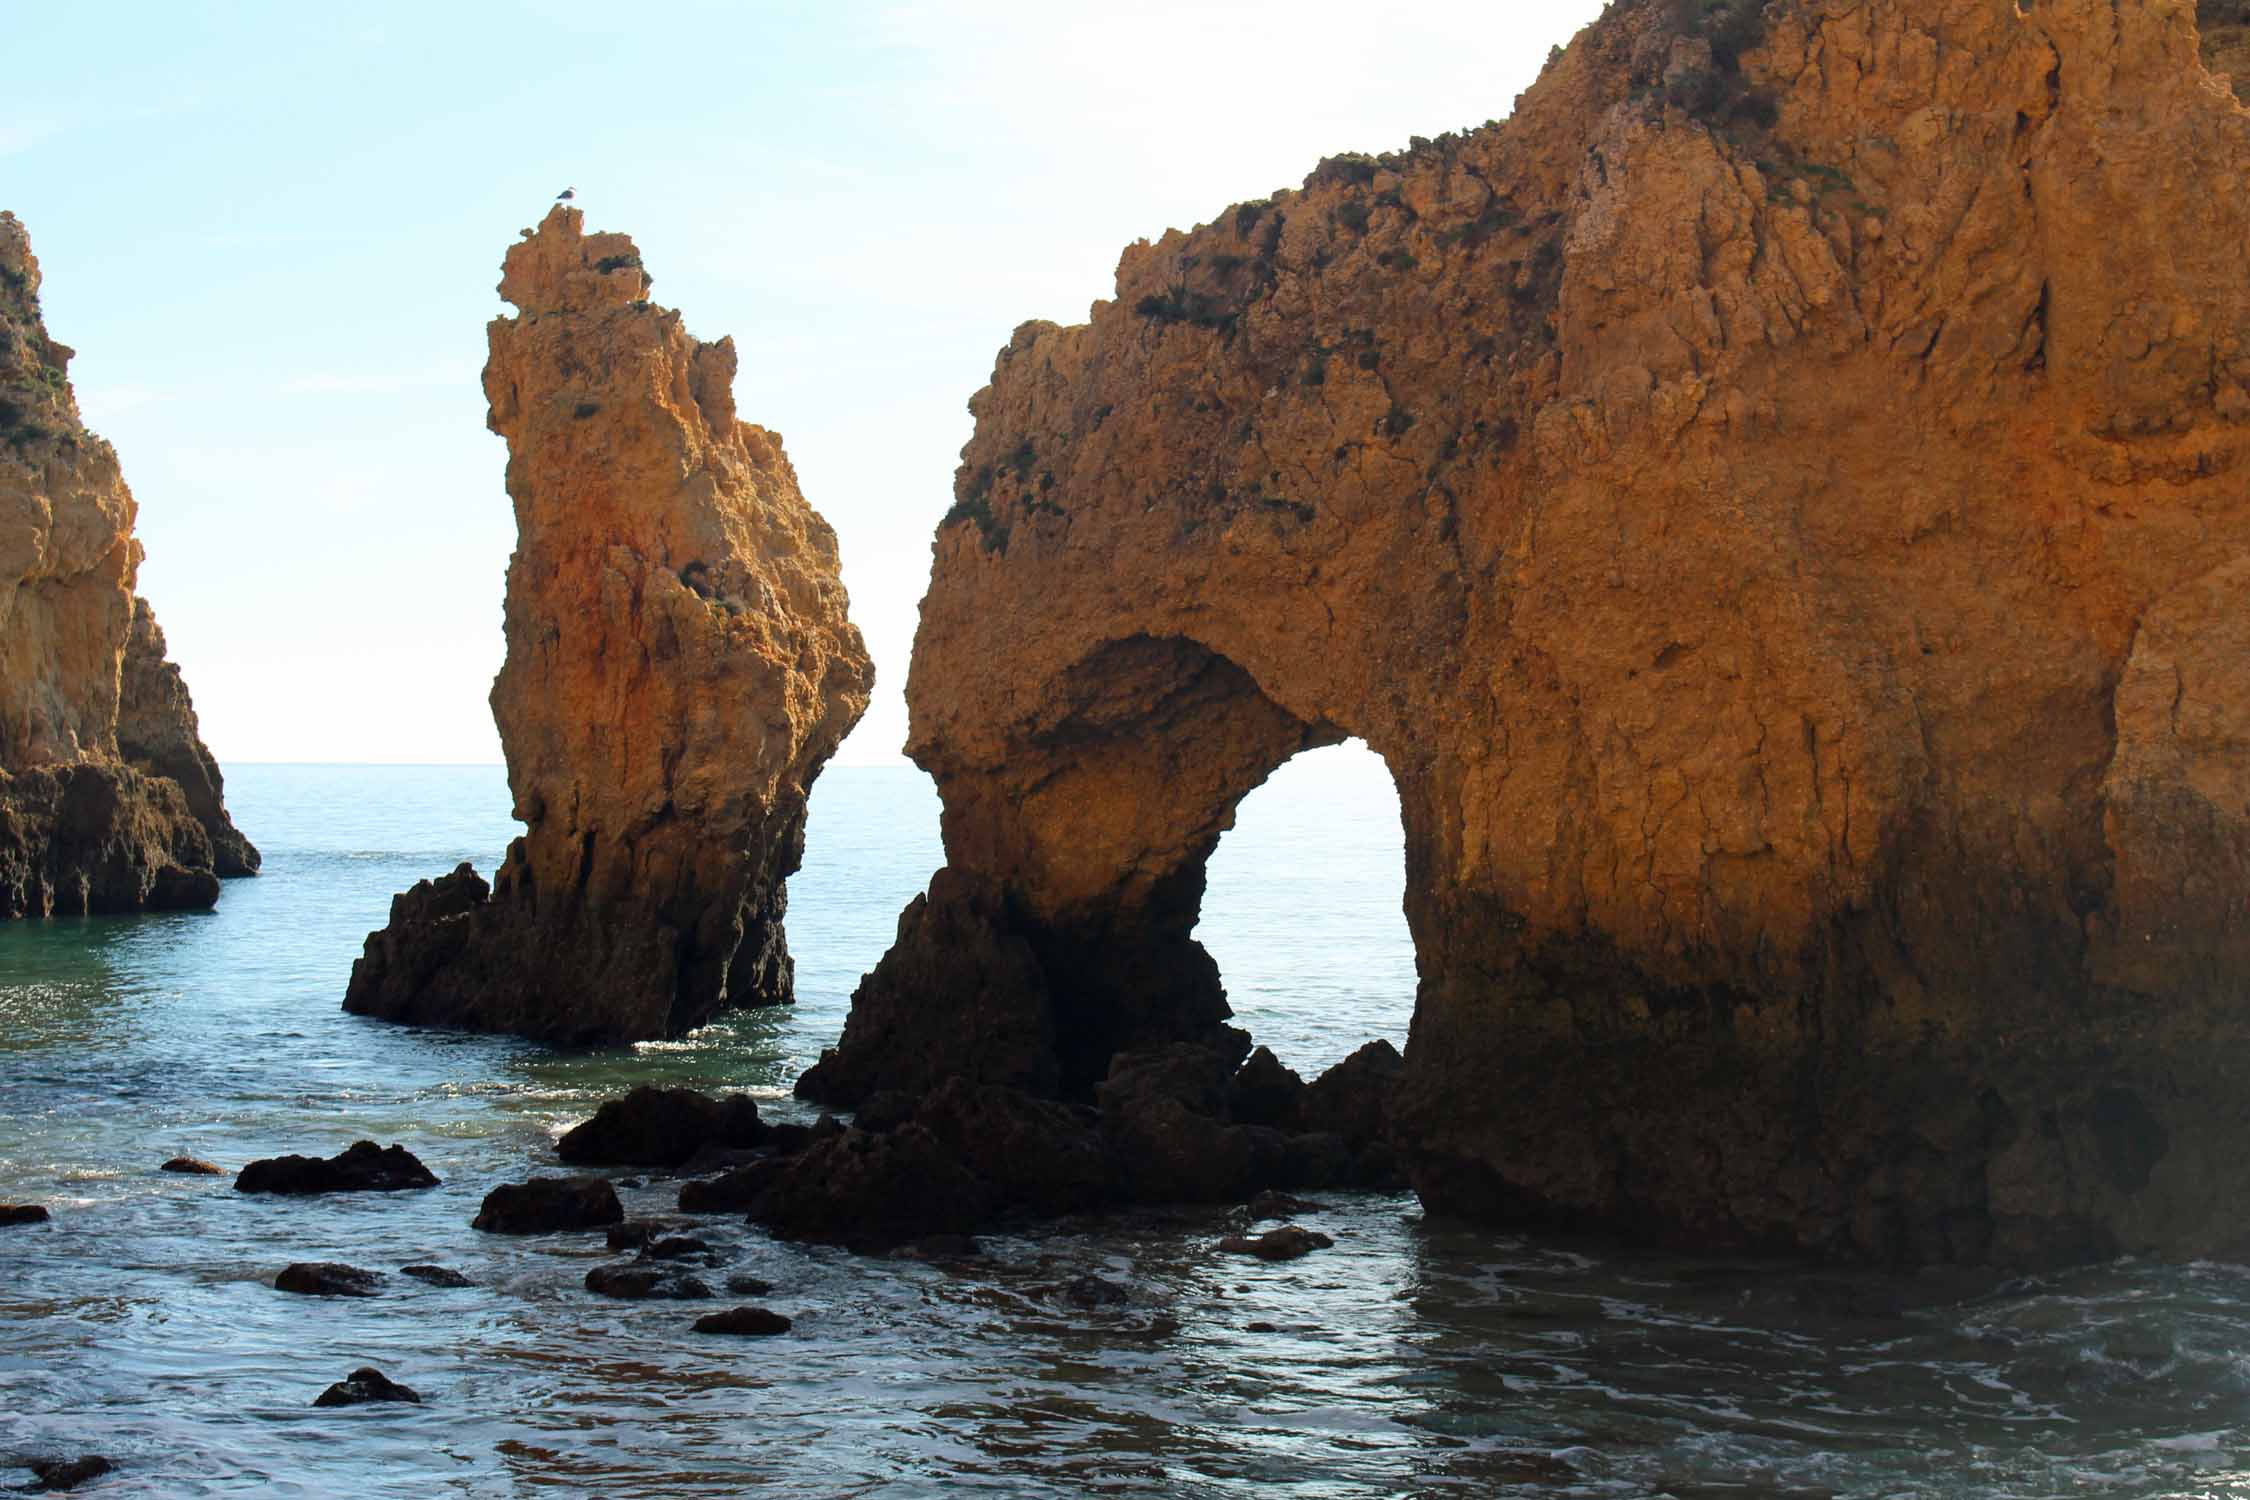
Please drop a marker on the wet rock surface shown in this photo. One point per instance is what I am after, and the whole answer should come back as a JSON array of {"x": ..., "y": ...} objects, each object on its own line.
[
  {"x": 22, "y": 1213},
  {"x": 660, "y": 1127},
  {"x": 189, "y": 1166},
  {"x": 1289, "y": 1242},
  {"x": 362, "y": 1167},
  {"x": 644, "y": 1283},
  {"x": 549, "y": 1205},
  {"x": 58, "y": 1475},
  {"x": 751, "y": 1322},
  {"x": 328, "y": 1279},
  {"x": 364, "y": 1386},
  {"x": 440, "y": 1276}
]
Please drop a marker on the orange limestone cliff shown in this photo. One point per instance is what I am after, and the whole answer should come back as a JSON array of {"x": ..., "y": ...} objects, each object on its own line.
[
  {"x": 680, "y": 666},
  {"x": 109, "y": 801},
  {"x": 1780, "y": 506}
]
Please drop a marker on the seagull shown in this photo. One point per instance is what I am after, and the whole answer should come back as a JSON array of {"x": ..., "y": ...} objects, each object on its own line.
[{"x": 566, "y": 195}]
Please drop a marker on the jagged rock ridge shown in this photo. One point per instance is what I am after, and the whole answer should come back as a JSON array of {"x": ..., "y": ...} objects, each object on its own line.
[
  {"x": 680, "y": 666},
  {"x": 1778, "y": 504},
  {"x": 109, "y": 801}
]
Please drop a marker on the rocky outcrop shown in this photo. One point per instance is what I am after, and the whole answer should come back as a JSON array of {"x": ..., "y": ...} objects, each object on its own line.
[
  {"x": 362, "y": 1167},
  {"x": 680, "y": 667},
  {"x": 109, "y": 801},
  {"x": 1778, "y": 505}
]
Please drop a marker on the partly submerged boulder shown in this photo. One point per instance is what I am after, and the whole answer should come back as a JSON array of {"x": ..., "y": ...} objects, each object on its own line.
[
  {"x": 362, "y": 1167},
  {"x": 659, "y": 1127}
]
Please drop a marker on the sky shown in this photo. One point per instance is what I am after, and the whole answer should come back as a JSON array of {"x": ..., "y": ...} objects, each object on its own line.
[{"x": 272, "y": 233}]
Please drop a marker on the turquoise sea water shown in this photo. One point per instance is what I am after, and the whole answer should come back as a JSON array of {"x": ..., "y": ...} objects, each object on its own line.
[{"x": 1415, "y": 1358}]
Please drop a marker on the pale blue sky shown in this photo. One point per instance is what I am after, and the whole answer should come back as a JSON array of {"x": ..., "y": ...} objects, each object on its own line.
[{"x": 272, "y": 233}]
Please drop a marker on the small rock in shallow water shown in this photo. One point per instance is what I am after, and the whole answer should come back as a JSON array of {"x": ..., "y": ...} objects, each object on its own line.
[
  {"x": 190, "y": 1166},
  {"x": 646, "y": 1283},
  {"x": 678, "y": 1247},
  {"x": 363, "y": 1167},
  {"x": 1286, "y": 1243},
  {"x": 743, "y": 1320},
  {"x": 1272, "y": 1204},
  {"x": 56, "y": 1474},
  {"x": 326, "y": 1278},
  {"x": 634, "y": 1233},
  {"x": 548, "y": 1205},
  {"x": 436, "y": 1275},
  {"x": 749, "y": 1286},
  {"x": 1261, "y": 1328},
  {"x": 365, "y": 1385},
  {"x": 22, "y": 1213}
]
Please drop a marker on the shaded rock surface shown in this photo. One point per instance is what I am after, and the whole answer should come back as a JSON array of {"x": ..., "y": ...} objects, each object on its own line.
[
  {"x": 1289, "y": 1242},
  {"x": 658, "y": 1127},
  {"x": 549, "y": 1205},
  {"x": 365, "y": 1385},
  {"x": 443, "y": 1276},
  {"x": 22, "y": 1213},
  {"x": 362, "y": 1167},
  {"x": 109, "y": 801},
  {"x": 638, "y": 1283},
  {"x": 1763, "y": 502},
  {"x": 328, "y": 1278},
  {"x": 55, "y": 1475},
  {"x": 756, "y": 1322},
  {"x": 679, "y": 668}
]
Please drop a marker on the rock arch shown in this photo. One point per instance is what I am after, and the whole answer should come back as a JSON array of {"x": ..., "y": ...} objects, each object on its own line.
[{"x": 1753, "y": 499}]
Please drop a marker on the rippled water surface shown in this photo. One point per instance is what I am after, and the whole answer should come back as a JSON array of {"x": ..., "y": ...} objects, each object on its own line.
[{"x": 1414, "y": 1358}]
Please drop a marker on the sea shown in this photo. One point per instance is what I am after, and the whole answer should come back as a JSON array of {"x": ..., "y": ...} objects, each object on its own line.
[{"x": 1416, "y": 1357}]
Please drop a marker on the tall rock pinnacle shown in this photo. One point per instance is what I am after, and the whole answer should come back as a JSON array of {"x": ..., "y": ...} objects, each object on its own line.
[
  {"x": 1780, "y": 505},
  {"x": 680, "y": 666},
  {"x": 109, "y": 801}
]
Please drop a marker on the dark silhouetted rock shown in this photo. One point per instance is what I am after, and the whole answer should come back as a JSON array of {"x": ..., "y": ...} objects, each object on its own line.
[
  {"x": 734, "y": 1192},
  {"x": 1353, "y": 1098},
  {"x": 646, "y": 1283},
  {"x": 327, "y": 1278},
  {"x": 1032, "y": 1153},
  {"x": 365, "y": 1385},
  {"x": 634, "y": 1233},
  {"x": 1263, "y": 1092},
  {"x": 940, "y": 1247},
  {"x": 54, "y": 1475},
  {"x": 1164, "y": 1119},
  {"x": 886, "y": 1110},
  {"x": 1261, "y": 1327},
  {"x": 189, "y": 1166},
  {"x": 436, "y": 1275},
  {"x": 363, "y": 1167},
  {"x": 864, "y": 1189},
  {"x": 751, "y": 1321},
  {"x": 1286, "y": 1243},
  {"x": 21, "y": 1213},
  {"x": 549, "y": 1205},
  {"x": 653, "y": 1127},
  {"x": 1277, "y": 1205},
  {"x": 679, "y": 1247}
]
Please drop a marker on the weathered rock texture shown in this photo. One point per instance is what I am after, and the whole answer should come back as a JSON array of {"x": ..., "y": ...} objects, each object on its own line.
[
  {"x": 108, "y": 800},
  {"x": 680, "y": 667},
  {"x": 1779, "y": 506}
]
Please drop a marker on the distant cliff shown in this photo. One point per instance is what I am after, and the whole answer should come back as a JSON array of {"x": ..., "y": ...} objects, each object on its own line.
[
  {"x": 1780, "y": 506},
  {"x": 108, "y": 799},
  {"x": 680, "y": 666}
]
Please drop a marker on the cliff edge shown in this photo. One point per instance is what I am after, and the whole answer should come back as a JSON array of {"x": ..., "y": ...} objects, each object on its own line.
[
  {"x": 1779, "y": 504},
  {"x": 680, "y": 666},
  {"x": 109, "y": 801}
]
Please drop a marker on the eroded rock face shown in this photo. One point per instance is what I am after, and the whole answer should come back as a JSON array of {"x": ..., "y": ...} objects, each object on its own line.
[
  {"x": 1779, "y": 505},
  {"x": 680, "y": 667},
  {"x": 109, "y": 801}
]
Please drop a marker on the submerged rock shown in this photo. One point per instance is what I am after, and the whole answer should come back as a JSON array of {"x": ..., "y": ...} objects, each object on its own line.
[
  {"x": 362, "y": 1167},
  {"x": 22, "y": 1213},
  {"x": 549, "y": 1205},
  {"x": 1277, "y": 1205},
  {"x": 189, "y": 1166},
  {"x": 656, "y": 1127},
  {"x": 365, "y": 1385},
  {"x": 436, "y": 1275},
  {"x": 108, "y": 800},
  {"x": 55, "y": 1475},
  {"x": 749, "y": 1286},
  {"x": 639, "y": 1283},
  {"x": 680, "y": 667},
  {"x": 1286, "y": 1243},
  {"x": 327, "y": 1278},
  {"x": 755, "y": 1322}
]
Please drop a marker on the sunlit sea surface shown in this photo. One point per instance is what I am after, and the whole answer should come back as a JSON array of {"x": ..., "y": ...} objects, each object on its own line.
[{"x": 1415, "y": 1358}]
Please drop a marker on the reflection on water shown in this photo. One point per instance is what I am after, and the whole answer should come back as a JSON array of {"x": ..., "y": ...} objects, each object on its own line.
[{"x": 1412, "y": 1359}]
